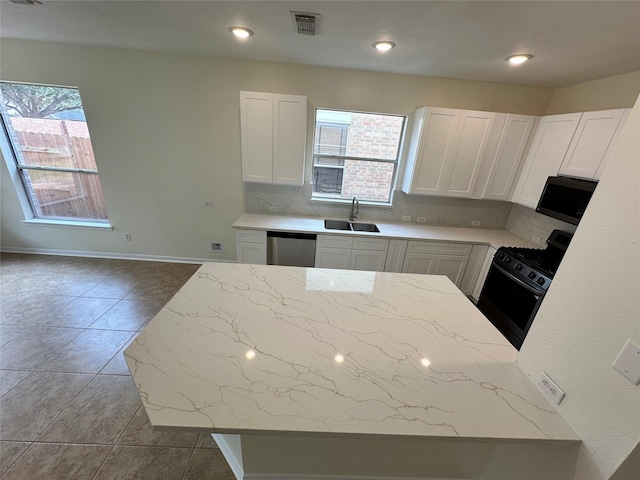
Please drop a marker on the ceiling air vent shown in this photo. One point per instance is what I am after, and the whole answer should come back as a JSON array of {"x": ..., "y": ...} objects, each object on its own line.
[{"x": 304, "y": 23}]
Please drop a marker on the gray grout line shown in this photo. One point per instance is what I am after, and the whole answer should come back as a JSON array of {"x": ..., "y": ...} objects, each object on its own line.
[{"x": 186, "y": 467}]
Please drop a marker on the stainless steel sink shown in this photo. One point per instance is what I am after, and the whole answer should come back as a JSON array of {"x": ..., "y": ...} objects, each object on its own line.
[
  {"x": 337, "y": 225},
  {"x": 364, "y": 227},
  {"x": 343, "y": 225}
]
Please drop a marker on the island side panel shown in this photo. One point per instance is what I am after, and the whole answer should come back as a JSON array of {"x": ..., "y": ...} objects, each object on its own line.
[{"x": 270, "y": 457}]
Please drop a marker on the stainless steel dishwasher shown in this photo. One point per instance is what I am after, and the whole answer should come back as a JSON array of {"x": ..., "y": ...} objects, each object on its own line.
[{"x": 293, "y": 249}]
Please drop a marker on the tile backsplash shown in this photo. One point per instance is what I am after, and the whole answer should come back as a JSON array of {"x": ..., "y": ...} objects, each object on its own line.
[
  {"x": 450, "y": 212},
  {"x": 526, "y": 223}
]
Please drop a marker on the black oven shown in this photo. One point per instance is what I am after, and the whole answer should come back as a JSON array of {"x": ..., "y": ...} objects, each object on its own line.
[
  {"x": 517, "y": 283},
  {"x": 509, "y": 303}
]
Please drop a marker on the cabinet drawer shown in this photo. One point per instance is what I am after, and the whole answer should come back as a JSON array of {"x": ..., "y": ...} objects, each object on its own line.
[
  {"x": 251, "y": 236},
  {"x": 378, "y": 244},
  {"x": 439, "y": 248},
  {"x": 334, "y": 241}
]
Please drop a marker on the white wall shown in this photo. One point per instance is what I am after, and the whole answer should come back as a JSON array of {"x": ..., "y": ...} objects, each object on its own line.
[
  {"x": 591, "y": 310},
  {"x": 165, "y": 131},
  {"x": 619, "y": 91}
]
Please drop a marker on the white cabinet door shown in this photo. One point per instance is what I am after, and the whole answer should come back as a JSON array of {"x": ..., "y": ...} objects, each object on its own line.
[
  {"x": 476, "y": 259},
  {"x": 419, "y": 263},
  {"x": 273, "y": 137},
  {"x": 256, "y": 129},
  {"x": 550, "y": 144},
  {"x": 395, "y": 256},
  {"x": 290, "y": 138},
  {"x": 453, "y": 266},
  {"x": 251, "y": 246},
  {"x": 255, "y": 253},
  {"x": 507, "y": 157},
  {"x": 462, "y": 162},
  {"x": 327, "y": 257},
  {"x": 591, "y": 142},
  {"x": 430, "y": 144},
  {"x": 369, "y": 260},
  {"x": 484, "y": 271}
]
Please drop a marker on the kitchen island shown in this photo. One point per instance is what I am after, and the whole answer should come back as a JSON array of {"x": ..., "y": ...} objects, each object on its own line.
[{"x": 316, "y": 373}]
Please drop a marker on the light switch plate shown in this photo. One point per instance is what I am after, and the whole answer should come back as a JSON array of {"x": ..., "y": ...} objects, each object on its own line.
[{"x": 628, "y": 362}]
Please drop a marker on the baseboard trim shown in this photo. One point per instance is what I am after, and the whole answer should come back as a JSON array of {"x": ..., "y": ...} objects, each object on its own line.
[
  {"x": 254, "y": 476},
  {"x": 120, "y": 256}
]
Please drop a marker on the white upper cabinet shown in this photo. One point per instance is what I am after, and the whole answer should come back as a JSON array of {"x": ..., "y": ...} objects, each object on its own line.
[
  {"x": 511, "y": 134},
  {"x": 591, "y": 143},
  {"x": 548, "y": 149},
  {"x": 445, "y": 150},
  {"x": 273, "y": 136},
  {"x": 470, "y": 142},
  {"x": 430, "y": 141}
]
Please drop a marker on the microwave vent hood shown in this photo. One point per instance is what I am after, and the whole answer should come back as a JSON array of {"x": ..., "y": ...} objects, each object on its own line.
[{"x": 566, "y": 198}]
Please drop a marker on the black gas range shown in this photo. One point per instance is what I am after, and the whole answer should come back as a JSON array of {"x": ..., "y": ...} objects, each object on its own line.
[{"x": 517, "y": 282}]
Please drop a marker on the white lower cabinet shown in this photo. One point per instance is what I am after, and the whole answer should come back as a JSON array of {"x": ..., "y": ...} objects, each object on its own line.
[
  {"x": 327, "y": 257},
  {"x": 437, "y": 258},
  {"x": 419, "y": 263},
  {"x": 465, "y": 264},
  {"x": 351, "y": 253},
  {"x": 484, "y": 271},
  {"x": 251, "y": 246},
  {"x": 476, "y": 259},
  {"x": 367, "y": 260},
  {"x": 395, "y": 256}
]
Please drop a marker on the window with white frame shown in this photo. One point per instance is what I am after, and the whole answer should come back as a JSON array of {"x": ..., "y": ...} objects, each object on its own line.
[
  {"x": 48, "y": 144},
  {"x": 356, "y": 154}
]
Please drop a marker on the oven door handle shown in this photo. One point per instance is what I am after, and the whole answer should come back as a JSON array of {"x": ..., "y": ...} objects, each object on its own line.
[{"x": 536, "y": 292}]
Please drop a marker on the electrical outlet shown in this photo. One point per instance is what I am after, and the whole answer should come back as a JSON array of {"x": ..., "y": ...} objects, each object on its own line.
[
  {"x": 208, "y": 203},
  {"x": 421, "y": 219},
  {"x": 535, "y": 238},
  {"x": 475, "y": 223},
  {"x": 628, "y": 362},
  {"x": 548, "y": 386},
  {"x": 406, "y": 218},
  {"x": 216, "y": 247},
  {"x": 128, "y": 237},
  {"x": 274, "y": 209}
]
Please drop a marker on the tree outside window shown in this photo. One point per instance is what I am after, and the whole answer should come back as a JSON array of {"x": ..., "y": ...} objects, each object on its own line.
[{"x": 51, "y": 149}]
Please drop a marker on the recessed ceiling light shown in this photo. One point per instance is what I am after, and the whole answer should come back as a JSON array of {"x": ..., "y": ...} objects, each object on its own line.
[
  {"x": 241, "y": 32},
  {"x": 518, "y": 59},
  {"x": 384, "y": 46}
]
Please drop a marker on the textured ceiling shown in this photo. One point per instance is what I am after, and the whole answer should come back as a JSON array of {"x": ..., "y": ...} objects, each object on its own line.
[{"x": 572, "y": 41}]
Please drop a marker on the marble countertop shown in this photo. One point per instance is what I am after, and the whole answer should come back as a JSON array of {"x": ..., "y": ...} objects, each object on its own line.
[
  {"x": 271, "y": 349},
  {"x": 405, "y": 230}
]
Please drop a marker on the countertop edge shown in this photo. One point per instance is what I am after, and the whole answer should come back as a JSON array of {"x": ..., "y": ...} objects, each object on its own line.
[{"x": 408, "y": 231}]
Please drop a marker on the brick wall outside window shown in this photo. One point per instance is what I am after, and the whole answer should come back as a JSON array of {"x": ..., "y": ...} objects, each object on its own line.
[{"x": 370, "y": 136}]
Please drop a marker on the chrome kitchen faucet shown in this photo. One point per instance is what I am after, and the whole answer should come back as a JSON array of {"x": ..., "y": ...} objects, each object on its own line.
[{"x": 355, "y": 205}]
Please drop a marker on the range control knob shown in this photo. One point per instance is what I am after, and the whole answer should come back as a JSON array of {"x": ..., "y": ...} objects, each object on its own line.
[
  {"x": 532, "y": 275},
  {"x": 540, "y": 281},
  {"x": 500, "y": 255},
  {"x": 519, "y": 267},
  {"x": 507, "y": 260}
]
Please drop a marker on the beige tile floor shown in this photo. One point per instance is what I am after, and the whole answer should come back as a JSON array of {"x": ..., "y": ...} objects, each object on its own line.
[{"x": 69, "y": 409}]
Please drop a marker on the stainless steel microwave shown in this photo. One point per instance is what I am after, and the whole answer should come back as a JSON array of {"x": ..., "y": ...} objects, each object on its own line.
[{"x": 566, "y": 198}]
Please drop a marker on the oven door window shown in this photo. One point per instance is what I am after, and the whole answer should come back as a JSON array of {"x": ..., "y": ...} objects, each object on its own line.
[{"x": 515, "y": 300}]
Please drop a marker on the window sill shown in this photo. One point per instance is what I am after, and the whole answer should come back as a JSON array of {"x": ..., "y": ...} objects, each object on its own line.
[
  {"x": 330, "y": 201},
  {"x": 68, "y": 223}
]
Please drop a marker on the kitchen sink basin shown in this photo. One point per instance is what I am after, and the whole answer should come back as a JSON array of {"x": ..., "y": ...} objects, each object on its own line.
[
  {"x": 337, "y": 225},
  {"x": 364, "y": 227}
]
